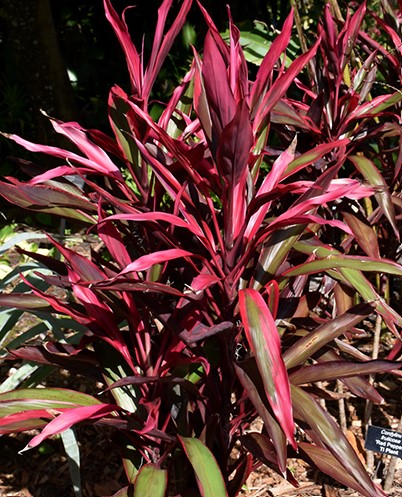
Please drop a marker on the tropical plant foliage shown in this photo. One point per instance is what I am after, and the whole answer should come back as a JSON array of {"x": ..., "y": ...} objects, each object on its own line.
[{"x": 239, "y": 237}]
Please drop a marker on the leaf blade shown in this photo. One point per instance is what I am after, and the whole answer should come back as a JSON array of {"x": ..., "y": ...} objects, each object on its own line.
[
  {"x": 209, "y": 477},
  {"x": 264, "y": 341}
]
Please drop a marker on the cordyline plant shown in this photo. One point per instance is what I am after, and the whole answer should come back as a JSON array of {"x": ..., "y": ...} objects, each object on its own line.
[{"x": 225, "y": 283}]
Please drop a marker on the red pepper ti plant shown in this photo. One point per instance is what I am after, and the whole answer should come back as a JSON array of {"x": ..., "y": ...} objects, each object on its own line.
[{"x": 222, "y": 288}]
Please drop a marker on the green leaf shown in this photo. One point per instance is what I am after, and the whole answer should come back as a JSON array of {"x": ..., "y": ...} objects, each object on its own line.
[
  {"x": 72, "y": 449},
  {"x": 60, "y": 397},
  {"x": 114, "y": 368},
  {"x": 209, "y": 477},
  {"x": 346, "y": 261},
  {"x": 16, "y": 378},
  {"x": 151, "y": 481},
  {"x": 373, "y": 176}
]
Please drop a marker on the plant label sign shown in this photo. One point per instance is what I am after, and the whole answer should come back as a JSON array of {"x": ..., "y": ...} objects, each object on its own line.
[{"x": 384, "y": 441}]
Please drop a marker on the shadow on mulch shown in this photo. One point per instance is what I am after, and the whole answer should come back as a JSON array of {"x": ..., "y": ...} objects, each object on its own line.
[{"x": 44, "y": 471}]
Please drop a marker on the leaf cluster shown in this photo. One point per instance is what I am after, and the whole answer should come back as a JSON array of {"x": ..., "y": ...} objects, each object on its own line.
[{"x": 238, "y": 235}]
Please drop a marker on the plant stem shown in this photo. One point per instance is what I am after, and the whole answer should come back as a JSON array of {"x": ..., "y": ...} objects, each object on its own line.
[
  {"x": 341, "y": 406},
  {"x": 392, "y": 465},
  {"x": 369, "y": 403}
]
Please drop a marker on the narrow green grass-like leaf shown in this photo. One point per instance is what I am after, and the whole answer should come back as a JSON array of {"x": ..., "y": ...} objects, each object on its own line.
[
  {"x": 114, "y": 369},
  {"x": 151, "y": 481},
  {"x": 209, "y": 477},
  {"x": 15, "y": 379},
  {"x": 72, "y": 449}
]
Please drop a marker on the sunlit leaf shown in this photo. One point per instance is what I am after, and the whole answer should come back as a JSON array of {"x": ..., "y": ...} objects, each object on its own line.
[
  {"x": 265, "y": 343},
  {"x": 209, "y": 477},
  {"x": 151, "y": 481}
]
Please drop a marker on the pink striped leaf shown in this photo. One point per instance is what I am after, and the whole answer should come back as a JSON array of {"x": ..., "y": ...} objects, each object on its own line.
[
  {"x": 69, "y": 418},
  {"x": 82, "y": 267},
  {"x": 264, "y": 74},
  {"x": 332, "y": 370},
  {"x": 24, "y": 421},
  {"x": 163, "y": 42},
  {"x": 365, "y": 235},
  {"x": 222, "y": 105},
  {"x": 74, "y": 132},
  {"x": 28, "y": 408},
  {"x": 346, "y": 261},
  {"x": 158, "y": 216},
  {"x": 312, "y": 156},
  {"x": 134, "y": 63},
  {"x": 160, "y": 257},
  {"x": 305, "y": 347},
  {"x": 280, "y": 86},
  {"x": 265, "y": 343},
  {"x": 47, "y": 199},
  {"x": 350, "y": 32},
  {"x": 374, "y": 107},
  {"x": 104, "y": 168},
  {"x": 113, "y": 241}
]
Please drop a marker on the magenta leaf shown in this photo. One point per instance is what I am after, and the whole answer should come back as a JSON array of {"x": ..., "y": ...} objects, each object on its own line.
[
  {"x": 69, "y": 418},
  {"x": 75, "y": 133},
  {"x": 222, "y": 105},
  {"x": 146, "y": 261},
  {"x": 163, "y": 41},
  {"x": 134, "y": 63},
  {"x": 234, "y": 146}
]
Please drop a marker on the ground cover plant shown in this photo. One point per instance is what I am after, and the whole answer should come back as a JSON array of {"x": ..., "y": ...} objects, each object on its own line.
[{"x": 241, "y": 236}]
